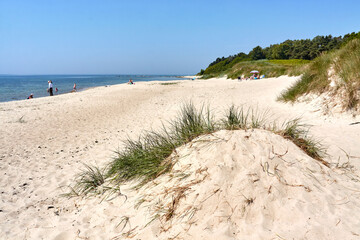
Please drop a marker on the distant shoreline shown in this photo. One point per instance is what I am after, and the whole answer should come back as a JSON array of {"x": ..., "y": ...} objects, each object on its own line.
[{"x": 19, "y": 87}]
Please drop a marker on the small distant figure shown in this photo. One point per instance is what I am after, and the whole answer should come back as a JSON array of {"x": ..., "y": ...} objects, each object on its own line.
[
  {"x": 74, "y": 87},
  {"x": 50, "y": 88},
  {"x": 56, "y": 89},
  {"x": 131, "y": 82},
  {"x": 193, "y": 78},
  {"x": 31, "y": 96}
]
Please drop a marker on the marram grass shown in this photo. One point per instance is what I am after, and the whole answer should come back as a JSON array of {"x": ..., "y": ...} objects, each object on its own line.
[
  {"x": 147, "y": 157},
  {"x": 345, "y": 64}
]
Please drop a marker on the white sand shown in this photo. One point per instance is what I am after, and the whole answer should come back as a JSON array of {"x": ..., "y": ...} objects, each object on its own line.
[{"x": 44, "y": 143}]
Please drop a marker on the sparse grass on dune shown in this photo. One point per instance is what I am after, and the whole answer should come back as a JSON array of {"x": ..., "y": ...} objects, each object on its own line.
[
  {"x": 314, "y": 79},
  {"x": 240, "y": 118},
  {"x": 145, "y": 158},
  {"x": 148, "y": 157},
  {"x": 347, "y": 66},
  {"x": 298, "y": 134}
]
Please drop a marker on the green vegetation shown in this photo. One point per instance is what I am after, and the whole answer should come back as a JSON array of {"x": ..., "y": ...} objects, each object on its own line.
[
  {"x": 344, "y": 64},
  {"x": 88, "y": 181},
  {"x": 291, "y": 50},
  {"x": 145, "y": 158},
  {"x": 295, "y": 132},
  {"x": 220, "y": 68},
  {"x": 239, "y": 118},
  {"x": 270, "y": 68},
  {"x": 149, "y": 156}
]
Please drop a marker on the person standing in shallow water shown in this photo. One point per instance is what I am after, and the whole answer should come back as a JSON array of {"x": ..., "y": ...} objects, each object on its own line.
[
  {"x": 74, "y": 87},
  {"x": 50, "y": 88}
]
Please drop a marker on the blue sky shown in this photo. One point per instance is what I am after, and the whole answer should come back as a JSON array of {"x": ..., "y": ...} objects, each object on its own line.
[{"x": 153, "y": 36}]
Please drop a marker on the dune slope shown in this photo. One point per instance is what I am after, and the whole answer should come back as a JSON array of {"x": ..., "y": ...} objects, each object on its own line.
[{"x": 247, "y": 185}]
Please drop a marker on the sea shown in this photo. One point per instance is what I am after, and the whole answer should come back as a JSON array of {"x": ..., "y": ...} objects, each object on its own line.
[{"x": 19, "y": 87}]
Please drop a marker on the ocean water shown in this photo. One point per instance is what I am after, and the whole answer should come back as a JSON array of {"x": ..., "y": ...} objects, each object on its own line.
[{"x": 16, "y": 87}]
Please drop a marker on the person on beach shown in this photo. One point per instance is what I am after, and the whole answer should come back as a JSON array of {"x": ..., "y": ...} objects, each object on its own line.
[
  {"x": 31, "y": 96},
  {"x": 50, "y": 88},
  {"x": 74, "y": 87},
  {"x": 56, "y": 89},
  {"x": 131, "y": 82}
]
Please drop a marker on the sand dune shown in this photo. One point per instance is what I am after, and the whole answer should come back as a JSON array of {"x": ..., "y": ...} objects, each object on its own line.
[
  {"x": 251, "y": 185},
  {"x": 238, "y": 187}
]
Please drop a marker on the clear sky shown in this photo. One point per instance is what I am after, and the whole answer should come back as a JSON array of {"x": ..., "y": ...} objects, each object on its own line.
[{"x": 154, "y": 36}]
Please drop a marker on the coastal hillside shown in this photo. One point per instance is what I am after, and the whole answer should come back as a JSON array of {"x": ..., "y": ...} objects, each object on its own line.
[
  {"x": 334, "y": 76},
  {"x": 269, "y": 68},
  {"x": 286, "y": 58}
]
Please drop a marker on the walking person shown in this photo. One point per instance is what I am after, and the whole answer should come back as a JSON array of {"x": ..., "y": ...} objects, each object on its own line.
[{"x": 50, "y": 88}]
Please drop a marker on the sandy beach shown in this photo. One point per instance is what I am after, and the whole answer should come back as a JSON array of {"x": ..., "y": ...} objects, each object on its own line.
[{"x": 45, "y": 143}]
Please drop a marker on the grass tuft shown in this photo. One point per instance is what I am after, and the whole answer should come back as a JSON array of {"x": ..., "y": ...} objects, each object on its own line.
[
  {"x": 235, "y": 118},
  {"x": 89, "y": 180},
  {"x": 240, "y": 118},
  {"x": 298, "y": 134},
  {"x": 192, "y": 123},
  {"x": 145, "y": 158}
]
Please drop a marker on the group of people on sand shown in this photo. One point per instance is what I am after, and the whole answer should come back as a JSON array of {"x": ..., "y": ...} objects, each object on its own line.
[
  {"x": 50, "y": 89},
  {"x": 253, "y": 77}
]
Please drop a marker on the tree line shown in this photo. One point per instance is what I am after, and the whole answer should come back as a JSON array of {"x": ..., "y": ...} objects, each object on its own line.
[{"x": 292, "y": 49}]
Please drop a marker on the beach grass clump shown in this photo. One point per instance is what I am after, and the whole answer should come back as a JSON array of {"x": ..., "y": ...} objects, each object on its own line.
[
  {"x": 145, "y": 159},
  {"x": 89, "y": 180},
  {"x": 148, "y": 157},
  {"x": 298, "y": 134},
  {"x": 235, "y": 118},
  {"x": 191, "y": 123},
  {"x": 142, "y": 159},
  {"x": 241, "y": 118},
  {"x": 347, "y": 66}
]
